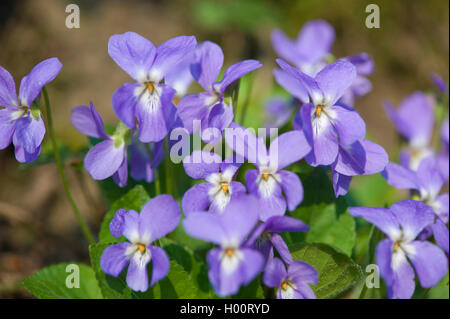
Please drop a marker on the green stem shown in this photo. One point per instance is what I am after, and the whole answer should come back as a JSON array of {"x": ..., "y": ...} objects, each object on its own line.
[
  {"x": 169, "y": 185},
  {"x": 83, "y": 225},
  {"x": 246, "y": 101},
  {"x": 424, "y": 293}
]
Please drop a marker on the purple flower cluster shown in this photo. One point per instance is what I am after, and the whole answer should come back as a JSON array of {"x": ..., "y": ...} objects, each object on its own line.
[{"x": 20, "y": 117}]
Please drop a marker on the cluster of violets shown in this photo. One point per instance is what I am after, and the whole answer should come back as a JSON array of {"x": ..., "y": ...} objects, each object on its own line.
[{"x": 245, "y": 221}]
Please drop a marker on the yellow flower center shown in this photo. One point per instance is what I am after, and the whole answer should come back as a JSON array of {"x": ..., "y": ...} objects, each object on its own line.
[
  {"x": 142, "y": 248},
  {"x": 176, "y": 100},
  {"x": 229, "y": 252},
  {"x": 225, "y": 187},
  {"x": 396, "y": 246},
  {"x": 265, "y": 176},
  {"x": 319, "y": 109},
  {"x": 284, "y": 285},
  {"x": 150, "y": 87}
]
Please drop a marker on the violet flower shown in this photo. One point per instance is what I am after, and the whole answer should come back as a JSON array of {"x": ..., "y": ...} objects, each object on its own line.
[
  {"x": 269, "y": 179},
  {"x": 293, "y": 283},
  {"x": 360, "y": 158},
  {"x": 265, "y": 237},
  {"x": 427, "y": 183},
  {"x": 219, "y": 189},
  {"x": 109, "y": 157},
  {"x": 402, "y": 223},
  {"x": 232, "y": 264},
  {"x": 20, "y": 118},
  {"x": 147, "y": 102},
  {"x": 158, "y": 217},
  {"x": 414, "y": 119},
  {"x": 210, "y": 107},
  {"x": 325, "y": 123},
  {"x": 311, "y": 52}
]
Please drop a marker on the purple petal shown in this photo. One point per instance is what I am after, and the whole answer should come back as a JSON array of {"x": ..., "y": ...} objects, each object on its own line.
[
  {"x": 137, "y": 277},
  {"x": 220, "y": 116},
  {"x": 205, "y": 226},
  {"x": 281, "y": 224},
  {"x": 314, "y": 41},
  {"x": 440, "y": 84},
  {"x": 291, "y": 84},
  {"x": 124, "y": 103},
  {"x": 169, "y": 54},
  {"x": 310, "y": 84},
  {"x": 8, "y": 95},
  {"x": 32, "y": 84},
  {"x": 196, "y": 199},
  {"x": 413, "y": 216},
  {"x": 128, "y": 223},
  {"x": 114, "y": 259},
  {"x": 180, "y": 77},
  {"x": 121, "y": 176},
  {"x": 252, "y": 264},
  {"x": 341, "y": 183},
  {"x": 133, "y": 53},
  {"x": 193, "y": 107},
  {"x": 282, "y": 248},
  {"x": 429, "y": 177},
  {"x": 272, "y": 206},
  {"x": 441, "y": 207},
  {"x": 285, "y": 47},
  {"x": 292, "y": 188},
  {"x": 349, "y": 125},
  {"x": 403, "y": 283},
  {"x": 161, "y": 264},
  {"x": 7, "y": 127},
  {"x": 104, "y": 159},
  {"x": 376, "y": 157},
  {"x": 245, "y": 144},
  {"x": 363, "y": 63},
  {"x": 159, "y": 217},
  {"x": 240, "y": 217},
  {"x": 201, "y": 164},
  {"x": 29, "y": 133},
  {"x": 440, "y": 233},
  {"x": 140, "y": 164},
  {"x": 400, "y": 177},
  {"x": 274, "y": 273},
  {"x": 150, "y": 113},
  {"x": 414, "y": 118},
  {"x": 321, "y": 133},
  {"x": 206, "y": 69},
  {"x": 335, "y": 79},
  {"x": 382, "y": 218},
  {"x": 430, "y": 263},
  {"x": 87, "y": 120},
  {"x": 235, "y": 72},
  {"x": 383, "y": 258},
  {"x": 23, "y": 156},
  {"x": 288, "y": 148},
  {"x": 302, "y": 272}
]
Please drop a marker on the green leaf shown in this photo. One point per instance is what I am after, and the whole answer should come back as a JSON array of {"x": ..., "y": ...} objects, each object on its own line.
[
  {"x": 53, "y": 282},
  {"x": 337, "y": 272},
  {"x": 192, "y": 264},
  {"x": 135, "y": 199},
  {"x": 440, "y": 291},
  {"x": 327, "y": 216}
]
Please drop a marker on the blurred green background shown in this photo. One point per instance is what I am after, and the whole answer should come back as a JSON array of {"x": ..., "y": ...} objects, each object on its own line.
[{"x": 37, "y": 227}]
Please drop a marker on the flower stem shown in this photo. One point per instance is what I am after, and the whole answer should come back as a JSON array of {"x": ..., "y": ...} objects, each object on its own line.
[
  {"x": 83, "y": 225},
  {"x": 246, "y": 101}
]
